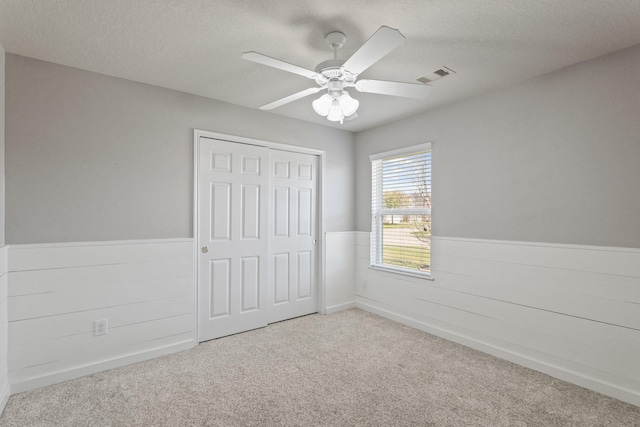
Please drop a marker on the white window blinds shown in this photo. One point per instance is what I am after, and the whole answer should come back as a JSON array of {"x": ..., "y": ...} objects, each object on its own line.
[{"x": 401, "y": 210}]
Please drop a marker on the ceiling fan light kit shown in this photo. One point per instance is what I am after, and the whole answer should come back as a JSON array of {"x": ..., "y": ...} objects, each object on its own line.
[
  {"x": 335, "y": 75},
  {"x": 336, "y": 104},
  {"x": 336, "y": 109}
]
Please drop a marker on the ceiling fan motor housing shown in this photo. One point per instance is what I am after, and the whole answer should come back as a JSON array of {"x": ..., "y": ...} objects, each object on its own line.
[
  {"x": 328, "y": 70},
  {"x": 335, "y": 88},
  {"x": 331, "y": 70}
]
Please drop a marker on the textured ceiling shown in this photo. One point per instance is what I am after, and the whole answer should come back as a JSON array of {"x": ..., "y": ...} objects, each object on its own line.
[{"x": 195, "y": 45}]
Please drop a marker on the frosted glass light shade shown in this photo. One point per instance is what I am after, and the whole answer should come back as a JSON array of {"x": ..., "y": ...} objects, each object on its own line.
[
  {"x": 335, "y": 112},
  {"x": 322, "y": 104},
  {"x": 335, "y": 107},
  {"x": 348, "y": 104}
]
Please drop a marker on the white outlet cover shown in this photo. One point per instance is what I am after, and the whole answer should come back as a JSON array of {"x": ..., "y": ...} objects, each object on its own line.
[{"x": 100, "y": 327}]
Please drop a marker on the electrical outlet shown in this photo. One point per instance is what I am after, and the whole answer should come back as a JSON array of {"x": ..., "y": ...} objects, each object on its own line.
[
  {"x": 100, "y": 327},
  {"x": 364, "y": 285}
]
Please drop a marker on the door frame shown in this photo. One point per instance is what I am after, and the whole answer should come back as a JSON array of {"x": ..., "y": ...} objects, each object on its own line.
[{"x": 320, "y": 256}]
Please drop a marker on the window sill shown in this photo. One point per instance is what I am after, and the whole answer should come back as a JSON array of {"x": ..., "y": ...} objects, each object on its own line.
[{"x": 426, "y": 276}]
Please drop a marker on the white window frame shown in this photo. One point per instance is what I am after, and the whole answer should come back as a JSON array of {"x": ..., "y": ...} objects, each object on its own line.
[{"x": 378, "y": 211}]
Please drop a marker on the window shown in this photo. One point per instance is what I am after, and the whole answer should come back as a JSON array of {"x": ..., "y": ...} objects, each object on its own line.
[{"x": 401, "y": 210}]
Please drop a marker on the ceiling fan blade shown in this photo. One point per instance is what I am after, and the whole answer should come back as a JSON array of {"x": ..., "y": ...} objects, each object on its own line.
[
  {"x": 379, "y": 44},
  {"x": 291, "y": 98},
  {"x": 408, "y": 90},
  {"x": 276, "y": 63}
]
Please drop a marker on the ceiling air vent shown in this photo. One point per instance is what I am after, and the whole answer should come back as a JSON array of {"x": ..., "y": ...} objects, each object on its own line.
[{"x": 435, "y": 75}]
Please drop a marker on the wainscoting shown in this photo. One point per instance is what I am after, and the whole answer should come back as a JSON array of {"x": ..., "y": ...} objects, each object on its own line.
[
  {"x": 572, "y": 312},
  {"x": 339, "y": 271},
  {"x": 56, "y": 291},
  {"x": 4, "y": 340}
]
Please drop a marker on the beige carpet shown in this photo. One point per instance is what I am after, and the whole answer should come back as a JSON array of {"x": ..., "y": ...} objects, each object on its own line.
[{"x": 347, "y": 369}]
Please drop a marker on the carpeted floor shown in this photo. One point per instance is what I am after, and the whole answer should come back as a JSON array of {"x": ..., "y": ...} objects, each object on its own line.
[{"x": 347, "y": 369}]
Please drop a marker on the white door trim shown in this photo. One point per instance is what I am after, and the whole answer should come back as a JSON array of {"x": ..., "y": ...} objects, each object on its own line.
[{"x": 197, "y": 133}]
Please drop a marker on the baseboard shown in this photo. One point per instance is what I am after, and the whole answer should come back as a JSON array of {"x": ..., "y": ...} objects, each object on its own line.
[
  {"x": 4, "y": 397},
  {"x": 339, "y": 307},
  {"x": 577, "y": 378},
  {"x": 80, "y": 371}
]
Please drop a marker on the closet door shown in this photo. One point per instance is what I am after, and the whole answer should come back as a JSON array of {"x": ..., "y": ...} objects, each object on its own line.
[
  {"x": 257, "y": 231},
  {"x": 292, "y": 235},
  {"x": 232, "y": 238}
]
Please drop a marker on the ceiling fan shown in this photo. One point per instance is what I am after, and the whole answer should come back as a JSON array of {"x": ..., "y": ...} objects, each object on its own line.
[{"x": 335, "y": 75}]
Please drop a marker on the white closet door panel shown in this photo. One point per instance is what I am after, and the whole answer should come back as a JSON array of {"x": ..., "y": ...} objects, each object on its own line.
[
  {"x": 281, "y": 209},
  {"x": 220, "y": 211},
  {"x": 232, "y": 210},
  {"x": 250, "y": 283},
  {"x": 281, "y": 278},
  {"x": 305, "y": 218},
  {"x": 219, "y": 287},
  {"x": 250, "y": 211},
  {"x": 293, "y": 233},
  {"x": 304, "y": 274}
]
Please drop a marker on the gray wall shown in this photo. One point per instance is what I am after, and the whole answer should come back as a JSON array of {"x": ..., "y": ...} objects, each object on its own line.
[
  {"x": 4, "y": 331},
  {"x": 554, "y": 159},
  {"x": 2, "y": 60},
  {"x": 93, "y": 157}
]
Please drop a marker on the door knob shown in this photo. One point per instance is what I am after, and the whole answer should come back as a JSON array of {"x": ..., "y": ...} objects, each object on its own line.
[
  {"x": 315, "y": 241},
  {"x": 204, "y": 249}
]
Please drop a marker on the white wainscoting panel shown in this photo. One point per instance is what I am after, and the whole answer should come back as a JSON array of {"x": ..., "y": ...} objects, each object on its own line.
[
  {"x": 144, "y": 289},
  {"x": 339, "y": 271},
  {"x": 572, "y": 312},
  {"x": 4, "y": 339}
]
